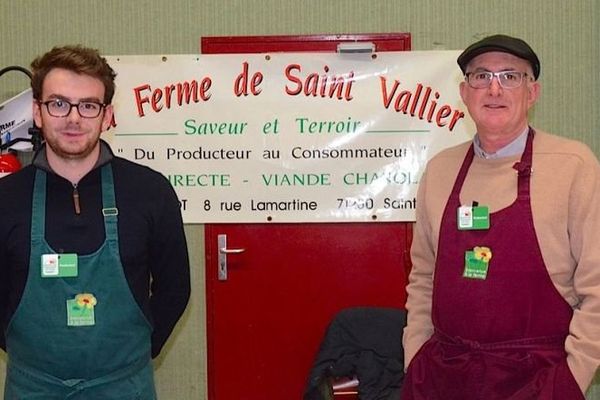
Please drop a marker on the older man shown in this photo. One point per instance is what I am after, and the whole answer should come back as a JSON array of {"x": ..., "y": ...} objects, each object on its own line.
[{"x": 504, "y": 295}]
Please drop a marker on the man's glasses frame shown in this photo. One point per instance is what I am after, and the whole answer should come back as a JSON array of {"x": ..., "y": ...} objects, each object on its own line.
[
  {"x": 61, "y": 108},
  {"x": 506, "y": 79}
]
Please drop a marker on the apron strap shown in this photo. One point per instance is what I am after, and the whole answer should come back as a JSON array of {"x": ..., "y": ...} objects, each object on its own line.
[
  {"x": 521, "y": 344},
  {"x": 38, "y": 206},
  {"x": 117, "y": 375},
  {"x": 109, "y": 204},
  {"x": 462, "y": 173},
  {"x": 80, "y": 384}
]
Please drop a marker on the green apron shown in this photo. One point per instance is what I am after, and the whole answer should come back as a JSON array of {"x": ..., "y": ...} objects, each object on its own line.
[{"x": 50, "y": 359}]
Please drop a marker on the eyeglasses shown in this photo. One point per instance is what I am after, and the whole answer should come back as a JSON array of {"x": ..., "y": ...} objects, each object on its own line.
[
  {"x": 483, "y": 79},
  {"x": 61, "y": 108}
]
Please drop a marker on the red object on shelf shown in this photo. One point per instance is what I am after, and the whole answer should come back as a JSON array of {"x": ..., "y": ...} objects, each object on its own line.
[{"x": 9, "y": 163}]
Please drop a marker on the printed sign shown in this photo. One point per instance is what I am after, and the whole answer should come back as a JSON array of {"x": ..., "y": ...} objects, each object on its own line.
[{"x": 289, "y": 137}]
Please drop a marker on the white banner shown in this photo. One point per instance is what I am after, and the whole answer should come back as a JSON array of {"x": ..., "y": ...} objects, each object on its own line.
[{"x": 289, "y": 137}]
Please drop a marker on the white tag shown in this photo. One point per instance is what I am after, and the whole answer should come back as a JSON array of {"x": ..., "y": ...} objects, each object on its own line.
[
  {"x": 49, "y": 264},
  {"x": 465, "y": 217}
]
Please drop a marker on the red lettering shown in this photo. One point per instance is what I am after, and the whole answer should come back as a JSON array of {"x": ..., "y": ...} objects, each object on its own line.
[
  {"x": 432, "y": 107},
  {"x": 156, "y": 96},
  {"x": 324, "y": 82},
  {"x": 387, "y": 100},
  {"x": 139, "y": 100},
  {"x": 257, "y": 79},
  {"x": 457, "y": 115},
  {"x": 419, "y": 106},
  {"x": 293, "y": 79},
  {"x": 441, "y": 114},
  {"x": 311, "y": 85},
  {"x": 184, "y": 93},
  {"x": 240, "y": 86},
  {"x": 338, "y": 86}
]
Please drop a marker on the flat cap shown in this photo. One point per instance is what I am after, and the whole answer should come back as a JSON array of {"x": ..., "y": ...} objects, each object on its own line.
[{"x": 502, "y": 43}]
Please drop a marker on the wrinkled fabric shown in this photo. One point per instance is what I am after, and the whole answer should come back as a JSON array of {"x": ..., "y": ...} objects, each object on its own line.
[{"x": 364, "y": 342}]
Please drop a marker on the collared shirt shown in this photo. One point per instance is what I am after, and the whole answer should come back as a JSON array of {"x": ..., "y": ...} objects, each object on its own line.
[{"x": 514, "y": 148}]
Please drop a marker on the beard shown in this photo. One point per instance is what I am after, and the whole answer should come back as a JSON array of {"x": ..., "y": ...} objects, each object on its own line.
[{"x": 72, "y": 150}]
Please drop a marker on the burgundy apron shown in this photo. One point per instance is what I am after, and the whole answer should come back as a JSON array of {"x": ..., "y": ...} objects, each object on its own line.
[{"x": 501, "y": 337}]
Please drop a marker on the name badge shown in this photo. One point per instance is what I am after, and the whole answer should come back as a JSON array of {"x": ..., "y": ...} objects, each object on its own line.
[
  {"x": 473, "y": 218},
  {"x": 59, "y": 265},
  {"x": 477, "y": 262},
  {"x": 80, "y": 310}
]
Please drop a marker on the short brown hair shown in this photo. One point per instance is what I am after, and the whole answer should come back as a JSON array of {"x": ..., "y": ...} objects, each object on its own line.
[{"x": 78, "y": 59}]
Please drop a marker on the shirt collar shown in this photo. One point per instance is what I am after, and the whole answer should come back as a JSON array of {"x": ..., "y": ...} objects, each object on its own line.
[
  {"x": 40, "y": 159},
  {"x": 514, "y": 148}
]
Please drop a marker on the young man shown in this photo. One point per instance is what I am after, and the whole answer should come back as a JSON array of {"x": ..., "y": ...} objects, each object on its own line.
[
  {"x": 504, "y": 295},
  {"x": 94, "y": 270}
]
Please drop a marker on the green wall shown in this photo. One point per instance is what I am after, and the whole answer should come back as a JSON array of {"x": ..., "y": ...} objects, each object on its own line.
[{"x": 565, "y": 34}]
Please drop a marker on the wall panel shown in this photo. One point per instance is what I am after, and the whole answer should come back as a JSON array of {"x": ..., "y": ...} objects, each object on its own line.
[{"x": 564, "y": 34}]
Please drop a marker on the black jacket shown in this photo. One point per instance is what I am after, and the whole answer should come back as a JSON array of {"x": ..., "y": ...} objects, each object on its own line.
[
  {"x": 365, "y": 342},
  {"x": 152, "y": 243}
]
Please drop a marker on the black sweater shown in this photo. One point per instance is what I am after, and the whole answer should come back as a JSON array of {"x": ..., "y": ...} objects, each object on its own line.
[{"x": 151, "y": 238}]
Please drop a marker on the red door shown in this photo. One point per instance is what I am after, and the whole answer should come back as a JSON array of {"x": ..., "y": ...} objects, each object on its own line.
[{"x": 267, "y": 314}]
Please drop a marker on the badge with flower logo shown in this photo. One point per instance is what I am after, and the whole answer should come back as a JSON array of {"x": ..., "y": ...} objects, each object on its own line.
[
  {"x": 482, "y": 253},
  {"x": 80, "y": 310},
  {"x": 86, "y": 300},
  {"x": 477, "y": 262}
]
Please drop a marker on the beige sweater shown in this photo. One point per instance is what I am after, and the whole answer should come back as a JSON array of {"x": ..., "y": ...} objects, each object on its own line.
[{"x": 565, "y": 198}]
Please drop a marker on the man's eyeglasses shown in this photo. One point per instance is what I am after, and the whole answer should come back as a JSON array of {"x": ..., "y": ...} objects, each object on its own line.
[
  {"x": 61, "y": 108},
  {"x": 483, "y": 79}
]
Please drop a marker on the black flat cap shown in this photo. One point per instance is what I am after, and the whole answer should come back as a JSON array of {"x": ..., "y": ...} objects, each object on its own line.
[{"x": 503, "y": 43}]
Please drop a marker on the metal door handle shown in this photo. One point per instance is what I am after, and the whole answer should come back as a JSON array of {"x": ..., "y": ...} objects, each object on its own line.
[{"x": 223, "y": 251}]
